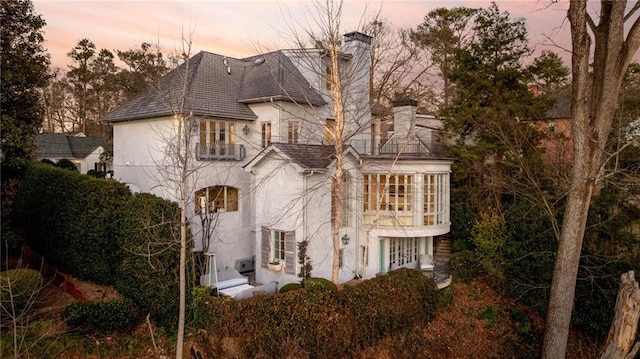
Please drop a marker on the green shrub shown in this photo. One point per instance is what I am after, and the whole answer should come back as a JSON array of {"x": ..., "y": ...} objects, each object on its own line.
[
  {"x": 319, "y": 284},
  {"x": 103, "y": 317},
  {"x": 19, "y": 289},
  {"x": 289, "y": 287},
  {"x": 96, "y": 174},
  {"x": 464, "y": 265},
  {"x": 97, "y": 230},
  {"x": 326, "y": 323},
  {"x": 66, "y": 165},
  {"x": 11, "y": 241},
  {"x": 149, "y": 272},
  {"x": 47, "y": 162}
]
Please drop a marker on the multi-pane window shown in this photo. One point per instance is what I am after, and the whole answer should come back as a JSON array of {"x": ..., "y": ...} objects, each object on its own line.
[
  {"x": 328, "y": 80},
  {"x": 403, "y": 252},
  {"x": 217, "y": 199},
  {"x": 329, "y": 131},
  {"x": 216, "y": 137},
  {"x": 435, "y": 199},
  {"x": 345, "y": 201},
  {"x": 384, "y": 192},
  {"x": 293, "y": 132},
  {"x": 266, "y": 134},
  {"x": 278, "y": 246}
]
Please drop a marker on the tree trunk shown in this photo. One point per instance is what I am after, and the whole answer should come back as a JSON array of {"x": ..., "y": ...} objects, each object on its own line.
[
  {"x": 622, "y": 335},
  {"x": 594, "y": 100}
]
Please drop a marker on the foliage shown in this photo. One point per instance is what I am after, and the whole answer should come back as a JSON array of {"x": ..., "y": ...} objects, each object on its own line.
[
  {"x": 325, "y": 323},
  {"x": 290, "y": 286},
  {"x": 102, "y": 317},
  {"x": 24, "y": 63},
  {"x": 549, "y": 71},
  {"x": 96, "y": 174},
  {"x": 304, "y": 260},
  {"x": 490, "y": 237},
  {"x": 12, "y": 241},
  {"x": 318, "y": 284},
  {"x": 149, "y": 273},
  {"x": 465, "y": 265},
  {"x": 47, "y": 161},
  {"x": 104, "y": 234},
  {"x": 95, "y": 85},
  {"x": 19, "y": 289},
  {"x": 66, "y": 164}
]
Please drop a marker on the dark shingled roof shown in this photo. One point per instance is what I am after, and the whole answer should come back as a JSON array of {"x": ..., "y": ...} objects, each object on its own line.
[
  {"x": 561, "y": 107},
  {"x": 308, "y": 156},
  {"x": 276, "y": 77},
  {"x": 219, "y": 86},
  {"x": 59, "y": 145}
]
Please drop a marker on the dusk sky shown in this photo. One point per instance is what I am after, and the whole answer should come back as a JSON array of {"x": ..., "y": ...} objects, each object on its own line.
[{"x": 239, "y": 28}]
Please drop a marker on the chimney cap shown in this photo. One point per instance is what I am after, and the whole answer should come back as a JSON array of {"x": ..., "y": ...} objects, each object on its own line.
[
  {"x": 405, "y": 101},
  {"x": 356, "y": 35}
]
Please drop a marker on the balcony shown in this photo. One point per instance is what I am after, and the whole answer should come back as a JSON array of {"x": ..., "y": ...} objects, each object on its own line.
[
  {"x": 226, "y": 152},
  {"x": 401, "y": 147}
]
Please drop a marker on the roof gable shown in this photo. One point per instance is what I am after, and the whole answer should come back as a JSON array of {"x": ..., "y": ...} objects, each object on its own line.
[{"x": 303, "y": 157}]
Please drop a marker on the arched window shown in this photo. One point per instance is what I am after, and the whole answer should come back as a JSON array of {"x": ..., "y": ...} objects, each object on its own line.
[{"x": 217, "y": 199}]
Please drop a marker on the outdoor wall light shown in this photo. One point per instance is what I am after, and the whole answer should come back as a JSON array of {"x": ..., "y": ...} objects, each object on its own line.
[
  {"x": 345, "y": 240},
  {"x": 246, "y": 130}
]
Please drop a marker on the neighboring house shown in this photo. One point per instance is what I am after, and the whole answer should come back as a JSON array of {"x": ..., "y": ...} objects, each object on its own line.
[
  {"x": 263, "y": 165},
  {"x": 83, "y": 151}
]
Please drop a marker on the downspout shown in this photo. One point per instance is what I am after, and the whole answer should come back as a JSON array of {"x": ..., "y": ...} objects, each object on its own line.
[{"x": 304, "y": 204}]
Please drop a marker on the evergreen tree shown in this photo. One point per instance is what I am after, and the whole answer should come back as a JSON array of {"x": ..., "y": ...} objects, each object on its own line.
[{"x": 24, "y": 74}]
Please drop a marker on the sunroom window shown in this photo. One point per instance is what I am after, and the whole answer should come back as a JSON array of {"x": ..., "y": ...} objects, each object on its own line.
[
  {"x": 388, "y": 199},
  {"x": 435, "y": 198},
  {"x": 216, "y": 199}
]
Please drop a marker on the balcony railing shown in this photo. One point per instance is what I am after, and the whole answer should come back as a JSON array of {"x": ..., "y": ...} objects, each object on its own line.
[
  {"x": 226, "y": 152},
  {"x": 397, "y": 147}
]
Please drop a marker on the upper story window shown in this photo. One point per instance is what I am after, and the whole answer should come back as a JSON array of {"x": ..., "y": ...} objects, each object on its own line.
[
  {"x": 329, "y": 131},
  {"x": 216, "y": 199},
  {"x": 293, "y": 132},
  {"x": 384, "y": 192},
  {"x": 435, "y": 198},
  {"x": 266, "y": 134},
  {"x": 328, "y": 80},
  {"x": 345, "y": 201},
  {"x": 216, "y": 137}
]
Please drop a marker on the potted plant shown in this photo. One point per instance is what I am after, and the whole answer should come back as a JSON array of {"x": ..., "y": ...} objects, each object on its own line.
[{"x": 275, "y": 266}]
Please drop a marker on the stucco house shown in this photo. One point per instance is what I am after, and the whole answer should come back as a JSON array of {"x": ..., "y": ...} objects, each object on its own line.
[
  {"x": 83, "y": 151},
  {"x": 263, "y": 165}
]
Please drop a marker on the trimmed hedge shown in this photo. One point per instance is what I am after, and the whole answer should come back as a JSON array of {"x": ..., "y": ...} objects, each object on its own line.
[
  {"x": 97, "y": 230},
  {"x": 102, "y": 317},
  {"x": 320, "y": 323},
  {"x": 289, "y": 287},
  {"x": 19, "y": 289}
]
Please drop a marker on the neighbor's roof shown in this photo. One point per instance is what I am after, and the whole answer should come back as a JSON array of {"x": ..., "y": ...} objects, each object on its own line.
[
  {"x": 59, "y": 145},
  {"x": 561, "y": 107},
  {"x": 220, "y": 86}
]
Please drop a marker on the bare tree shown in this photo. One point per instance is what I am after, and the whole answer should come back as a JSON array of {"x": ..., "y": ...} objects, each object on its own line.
[
  {"x": 345, "y": 89},
  {"x": 601, "y": 55}
]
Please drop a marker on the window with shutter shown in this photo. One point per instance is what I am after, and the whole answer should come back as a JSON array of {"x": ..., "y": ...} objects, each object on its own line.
[
  {"x": 290, "y": 252},
  {"x": 265, "y": 248}
]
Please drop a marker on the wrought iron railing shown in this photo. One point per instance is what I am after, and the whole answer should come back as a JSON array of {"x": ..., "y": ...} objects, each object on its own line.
[
  {"x": 226, "y": 152},
  {"x": 397, "y": 147}
]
